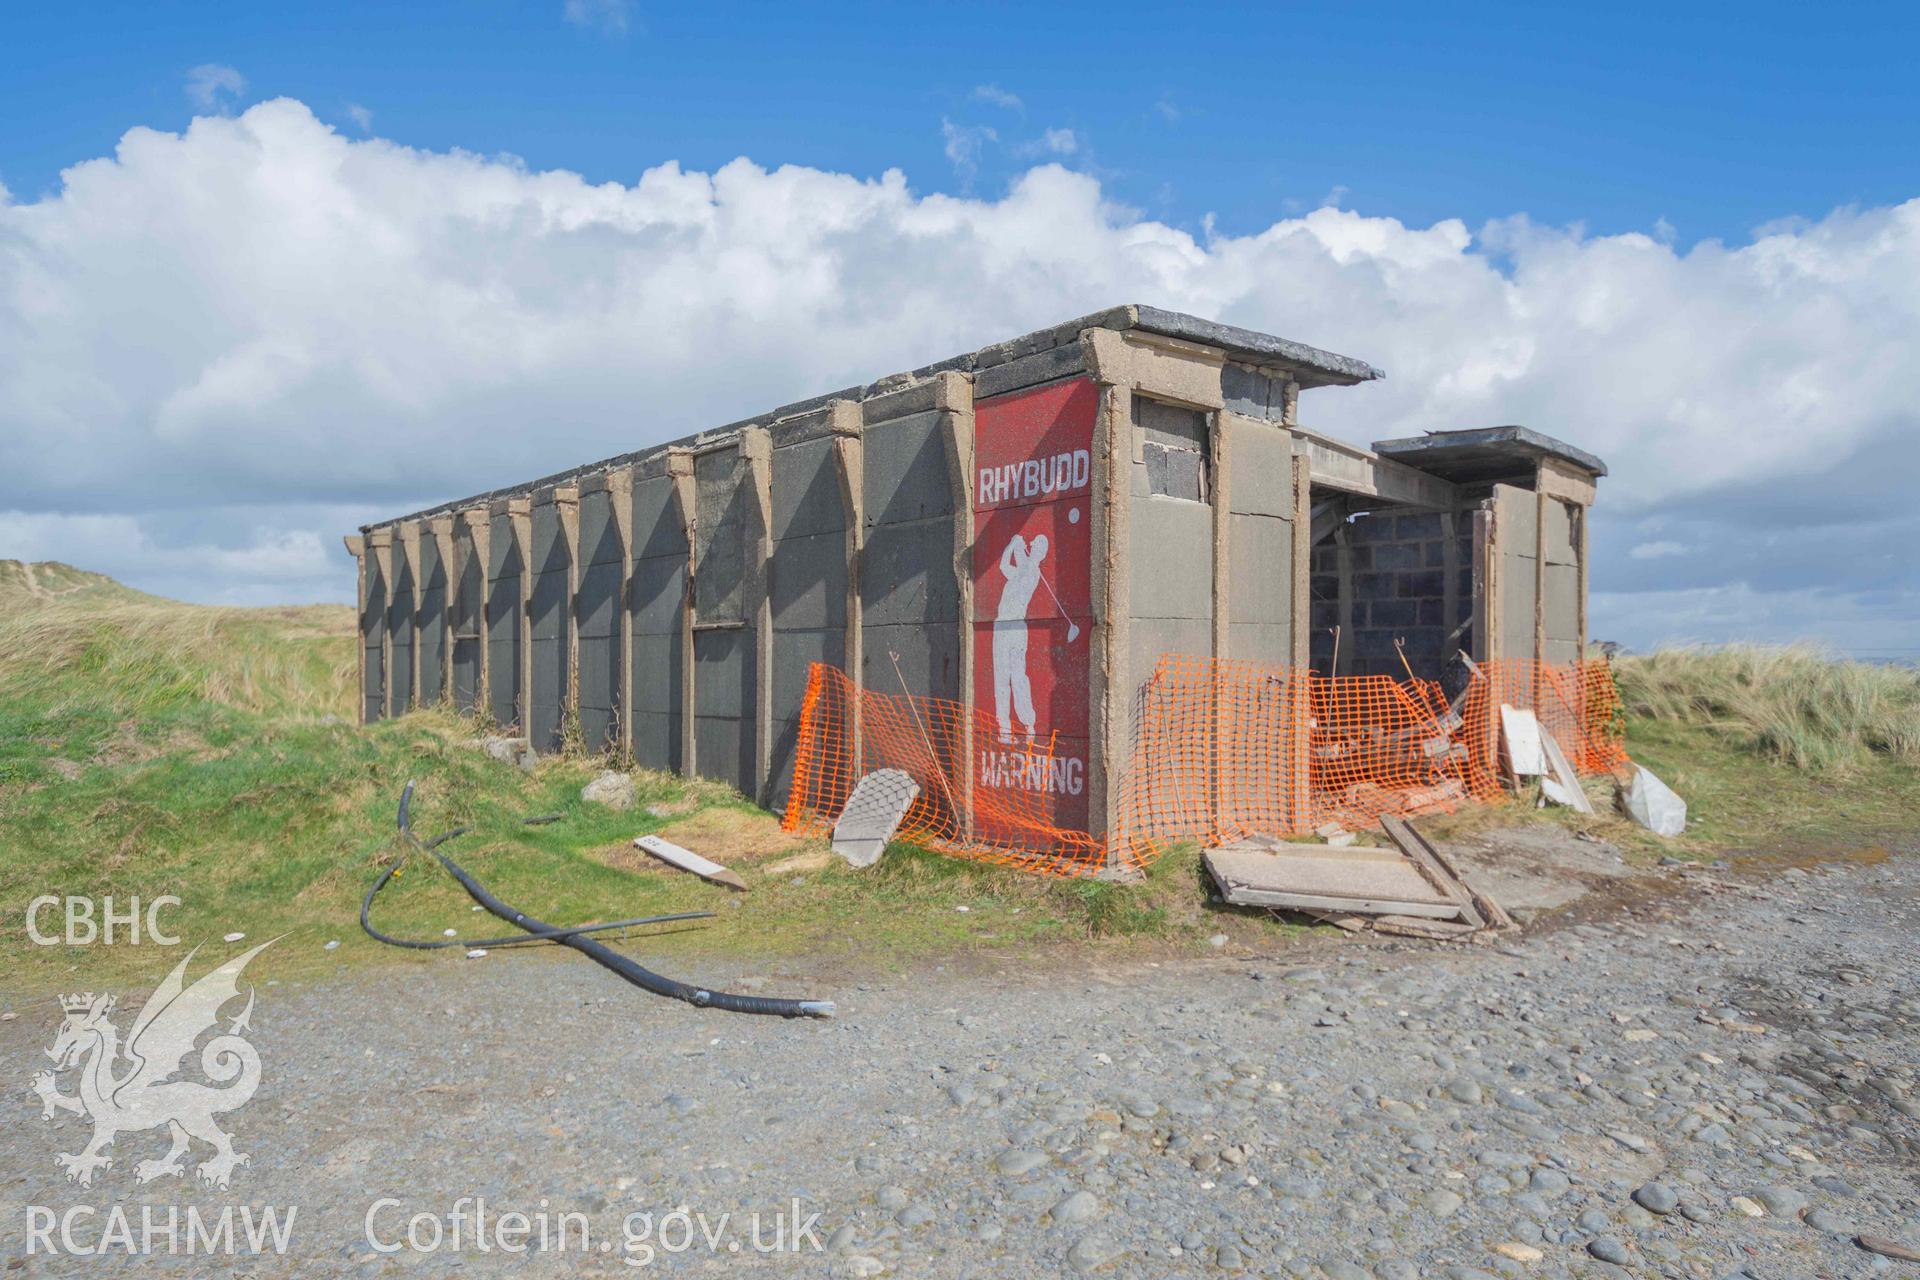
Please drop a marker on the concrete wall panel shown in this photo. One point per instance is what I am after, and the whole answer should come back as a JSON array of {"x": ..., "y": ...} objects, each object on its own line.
[
  {"x": 723, "y": 684},
  {"x": 373, "y": 630},
  {"x": 1028, "y": 371},
  {"x": 1262, "y": 461},
  {"x": 463, "y": 617},
  {"x": 929, "y": 659},
  {"x": 806, "y": 490},
  {"x": 1151, "y": 637},
  {"x": 1171, "y": 550},
  {"x": 598, "y": 612},
  {"x": 1259, "y": 642},
  {"x": 504, "y": 619},
  {"x": 723, "y": 538},
  {"x": 1560, "y": 548},
  {"x": 906, "y": 473},
  {"x": 906, "y": 575},
  {"x": 1259, "y": 570},
  {"x": 431, "y": 633},
  {"x": 400, "y": 627}
]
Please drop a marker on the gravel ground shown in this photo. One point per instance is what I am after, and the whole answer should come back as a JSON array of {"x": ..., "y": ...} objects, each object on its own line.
[{"x": 1712, "y": 1075}]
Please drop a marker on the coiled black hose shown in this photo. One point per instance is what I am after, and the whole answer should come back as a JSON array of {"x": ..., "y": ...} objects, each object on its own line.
[{"x": 606, "y": 957}]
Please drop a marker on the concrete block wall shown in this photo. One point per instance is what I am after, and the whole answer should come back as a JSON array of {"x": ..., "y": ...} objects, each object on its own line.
[{"x": 1403, "y": 581}]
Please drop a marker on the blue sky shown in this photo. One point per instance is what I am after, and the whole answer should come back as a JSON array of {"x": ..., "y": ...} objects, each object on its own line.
[
  {"x": 257, "y": 262},
  {"x": 1715, "y": 118}
]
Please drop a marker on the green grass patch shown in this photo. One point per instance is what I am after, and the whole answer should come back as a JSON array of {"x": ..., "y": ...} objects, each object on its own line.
[{"x": 152, "y": 748}]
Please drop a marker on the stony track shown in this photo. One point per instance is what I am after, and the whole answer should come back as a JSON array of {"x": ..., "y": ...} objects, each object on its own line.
[{"x": 1714, "y": 1076}]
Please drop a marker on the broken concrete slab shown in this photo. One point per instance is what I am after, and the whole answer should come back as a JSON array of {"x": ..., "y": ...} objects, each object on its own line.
[
  {"x": 1653, "y": 804},
  {"x": 1319, "y": 879},
  {"x": 872, "y": 814}
]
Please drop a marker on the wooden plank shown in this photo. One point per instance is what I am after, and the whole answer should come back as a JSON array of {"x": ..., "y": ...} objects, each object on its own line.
[
  {"x": 1495, "y": 915},
  {"x": 1443, "y": 880}
]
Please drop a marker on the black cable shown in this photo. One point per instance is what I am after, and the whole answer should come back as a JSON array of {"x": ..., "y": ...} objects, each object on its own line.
[
  {"x": 513, "y": 940},
  {"x": 605, "y": 956}
]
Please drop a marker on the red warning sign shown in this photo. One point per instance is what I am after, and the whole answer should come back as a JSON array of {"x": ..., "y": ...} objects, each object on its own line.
[{"x": 1032, "y": 591}]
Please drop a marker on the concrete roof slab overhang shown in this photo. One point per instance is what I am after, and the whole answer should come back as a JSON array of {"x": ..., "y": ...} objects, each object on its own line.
[
  {"x": 1305, "y": 365},
  {"x": 1486, "y": 453}
]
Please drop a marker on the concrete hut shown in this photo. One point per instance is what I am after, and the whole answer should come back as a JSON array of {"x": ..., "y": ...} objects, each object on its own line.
[{"x": 1028, "y": 527}]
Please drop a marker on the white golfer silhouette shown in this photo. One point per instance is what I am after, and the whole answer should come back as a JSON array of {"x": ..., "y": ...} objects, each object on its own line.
[{"x": 1012, "y": 690}]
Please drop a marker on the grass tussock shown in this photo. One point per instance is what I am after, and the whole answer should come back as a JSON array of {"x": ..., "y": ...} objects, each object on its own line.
[{"x": 1796, "y": 704}]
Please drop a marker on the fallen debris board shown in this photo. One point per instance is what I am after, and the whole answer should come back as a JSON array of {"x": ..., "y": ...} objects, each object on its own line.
[
  {"x": 1318, "y": 878},
  {"x": 1401, "y": 832},
  {"x": 1563, "y": 784},
  {"x": 1522, "y": 732},
  {"x": 688, "y": 860},
  {"x": 872, "y": 814}
]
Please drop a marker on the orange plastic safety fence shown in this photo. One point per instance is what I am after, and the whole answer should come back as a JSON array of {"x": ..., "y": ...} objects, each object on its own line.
[
  {"x": 1578, "y": 704},
  {"x": 1221, "y": 750},
  {"x": 1008, "y": 816}
]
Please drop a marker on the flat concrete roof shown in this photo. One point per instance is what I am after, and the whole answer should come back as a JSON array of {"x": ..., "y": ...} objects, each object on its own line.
[
  {"x": 1309, "y": 366},
  {"x": 1483, "y": 453}
]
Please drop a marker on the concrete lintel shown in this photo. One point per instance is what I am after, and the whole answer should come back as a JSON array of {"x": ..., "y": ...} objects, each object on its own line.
[
  {"x": 1183, "y": 373},
  {"x": 1352, "y": 469},
  {"x": 1562, "y": 480},
  {"x": 356, "y": 544}
]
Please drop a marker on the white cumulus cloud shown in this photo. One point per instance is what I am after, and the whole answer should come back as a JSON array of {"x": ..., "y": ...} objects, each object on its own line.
[{"x": 241, "y": 340}]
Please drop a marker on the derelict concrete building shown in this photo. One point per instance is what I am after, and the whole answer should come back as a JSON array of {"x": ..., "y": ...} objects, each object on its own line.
[{"x": 1024, "y": 529}]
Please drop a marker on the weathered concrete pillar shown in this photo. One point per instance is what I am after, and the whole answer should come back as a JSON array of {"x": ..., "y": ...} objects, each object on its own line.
[
  {"x": 620, "y": 496},
  {"x": 849, "y": 468},
  {"x": 680, "y": 467},
  {"x": 756, "y": 452},
  {"x": 1110, "y": 692},
  {"x": 356, "y": 545},
  {"x": 954, "y": 398}
]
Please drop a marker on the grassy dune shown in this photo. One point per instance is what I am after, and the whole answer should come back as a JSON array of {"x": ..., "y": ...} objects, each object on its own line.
[
  {"x": 149, "y": 747},
  {"x": 153, "y": 747}
]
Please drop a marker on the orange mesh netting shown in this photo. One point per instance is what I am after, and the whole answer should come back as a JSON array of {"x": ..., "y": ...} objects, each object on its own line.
[{"x": 1221, "y": 750}]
